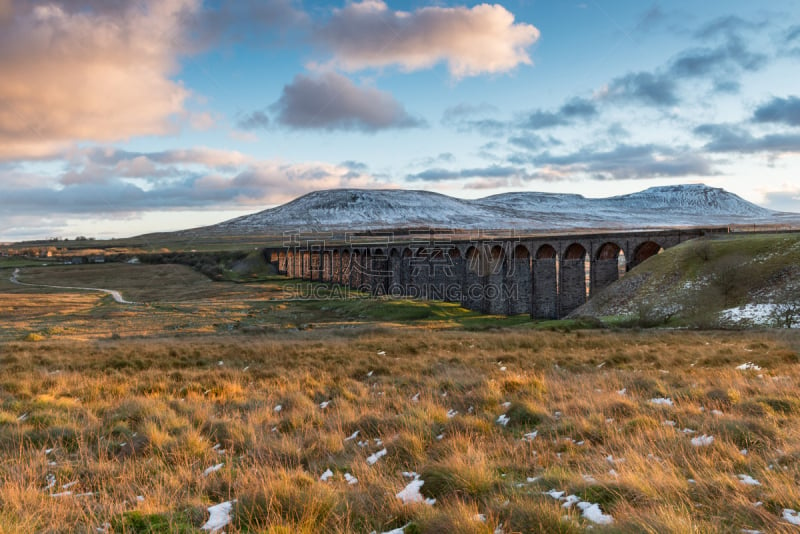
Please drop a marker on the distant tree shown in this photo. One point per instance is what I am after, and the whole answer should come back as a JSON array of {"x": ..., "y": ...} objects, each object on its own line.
[
  {"x": 700, "y": 248},
  {"x": 786, "y": 315},
  {"x": 730, "y": 278}
]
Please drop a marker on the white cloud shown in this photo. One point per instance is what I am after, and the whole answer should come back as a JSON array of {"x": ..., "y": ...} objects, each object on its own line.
[{"x": 472, "y": 41}]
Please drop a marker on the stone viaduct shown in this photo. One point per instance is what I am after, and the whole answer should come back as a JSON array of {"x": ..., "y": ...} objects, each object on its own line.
[{"x": 547, "y": 277}]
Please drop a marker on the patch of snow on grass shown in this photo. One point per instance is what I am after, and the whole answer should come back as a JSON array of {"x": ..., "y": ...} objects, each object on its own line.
[
  {"x": 326, "y": 475},
  {"x": 749, "y": 366},
  {"x": 702, "y": 441},
  {"x": 411, "y": 494},
  {"x": 372, "y": 458},
  {"x": 211, "y": 469},
  {"x": 750, "y": 481},
  {"x": 555, "y": 494},
  {"x": 593, "y": 513},
  {"x": 219, "y": 516},
  {"x": 398, "y": 530},
  {"x": 590, "y": 511},
  {"x": 791, "y": 516},
  {"x": 352, "y": 436},
  {"x": 661, "y": 401},
  {"x": 350, "y": 479},
  {"x": 503, "y": 419}
]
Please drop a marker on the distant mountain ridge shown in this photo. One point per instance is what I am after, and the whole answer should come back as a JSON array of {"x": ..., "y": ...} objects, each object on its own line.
[{"x": 371, "y": 209}]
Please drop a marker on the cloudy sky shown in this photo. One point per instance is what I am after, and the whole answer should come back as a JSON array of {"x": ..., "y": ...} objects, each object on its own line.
[{"x": 119, "y": 117}]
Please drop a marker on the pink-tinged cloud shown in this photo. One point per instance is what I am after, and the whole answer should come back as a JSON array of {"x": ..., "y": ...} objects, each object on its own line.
[
  {"x": 108, "y": 180},
  {"x": 88, "y": 74},
  {"x": 472, "y": 41}
]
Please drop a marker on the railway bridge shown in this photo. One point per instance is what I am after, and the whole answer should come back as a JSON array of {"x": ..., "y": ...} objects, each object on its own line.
[{"x": 546, "y": 276}]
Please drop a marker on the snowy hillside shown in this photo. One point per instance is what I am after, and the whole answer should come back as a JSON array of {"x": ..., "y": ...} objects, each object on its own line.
[
  {"x": 356, "y": 209},
  {"x": 690, "y": 199}
]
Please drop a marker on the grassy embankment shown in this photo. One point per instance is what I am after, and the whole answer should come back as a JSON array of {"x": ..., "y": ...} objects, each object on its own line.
[{"x": 691, "y": 284}]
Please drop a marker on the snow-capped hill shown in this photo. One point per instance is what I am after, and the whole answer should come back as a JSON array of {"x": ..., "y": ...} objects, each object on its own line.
[
  {"x": 692, "y": 197},
  {"x": 367, "y": 209},
  {"x": 361, "y": 208},
  {"x": 536, "y": 201}
]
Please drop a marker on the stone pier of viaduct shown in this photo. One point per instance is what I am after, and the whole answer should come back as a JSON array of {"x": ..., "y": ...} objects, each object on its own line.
[{"x": 547, "y": 277}]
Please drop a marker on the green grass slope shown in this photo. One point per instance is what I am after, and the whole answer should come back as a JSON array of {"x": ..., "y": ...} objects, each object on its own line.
[{"x": 728, "y": 281}]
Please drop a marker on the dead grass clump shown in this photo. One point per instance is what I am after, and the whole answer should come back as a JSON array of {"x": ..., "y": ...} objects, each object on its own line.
[
  {"x": 294, "y": 500},
  {"x": 620, "y": 409},
  {"x": 183, "y": 521},
  {"x": 373, "y": 425},
  {"x": 539, "y": 516},
  {"x": 608, "y": 495},
  {"x": 456, "y": 517},
  {"x": 722, "y": 398},
  {"x": 406, "y": 452},
  {"x": 229, "y": 433},
  {"x": 529, "y": 386},
  {"x": 745, "y": 434},
  {"x": 781, "y": 405},
  {"x": 525, "y": 415},
  {"x": 648, "y": 387}
]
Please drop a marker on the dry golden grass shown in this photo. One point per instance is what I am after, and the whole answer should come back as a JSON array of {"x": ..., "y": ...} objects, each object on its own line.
[{"x": 130, "y": 418}]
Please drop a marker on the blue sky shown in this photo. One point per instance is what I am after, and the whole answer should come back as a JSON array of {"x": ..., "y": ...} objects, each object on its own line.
[{"x": 119, "y": 118}]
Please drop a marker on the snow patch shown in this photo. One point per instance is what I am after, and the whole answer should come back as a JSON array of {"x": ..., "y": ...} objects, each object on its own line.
[
  {"x": 755, "y": 314},
  {"x": 791, "y": 516},
  {"x": 219, "y": 516},
  {"x": 411, "y": 493},
  {"x": 702, "y": 441},
  {"x": 372, "y": 458},
  {"x": 212, "y": 469},
  {"x": 593, "y": 513},
  {"x": 749, "y": 366},
  {"x": 747, "y": 479},
  {"x": 661, "y": 401}
]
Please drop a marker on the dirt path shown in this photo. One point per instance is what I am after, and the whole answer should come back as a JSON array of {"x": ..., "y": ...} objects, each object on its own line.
[{"x": 116, "y": 295}]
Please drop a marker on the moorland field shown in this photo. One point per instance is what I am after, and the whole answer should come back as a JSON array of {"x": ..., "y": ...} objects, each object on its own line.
[{"x": 313, "y": 415}]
